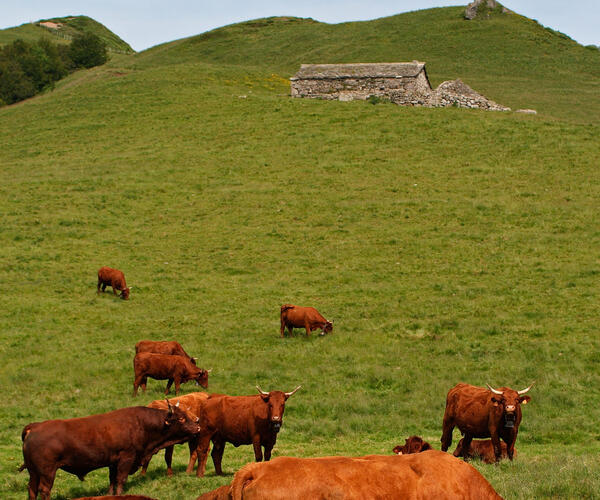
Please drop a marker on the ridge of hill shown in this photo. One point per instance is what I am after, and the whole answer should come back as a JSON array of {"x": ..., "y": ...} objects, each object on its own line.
[
  {"x": 507, "y": 57},
  {"x": 67, "y": 28}
]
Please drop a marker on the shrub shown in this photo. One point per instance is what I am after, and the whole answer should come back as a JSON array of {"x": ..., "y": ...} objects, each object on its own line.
[{"x": 88, "y": 50}]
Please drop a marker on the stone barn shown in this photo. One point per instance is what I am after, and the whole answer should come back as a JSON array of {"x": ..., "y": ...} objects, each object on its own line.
[
  {"x": 406, "y": 84},
  {"x": 403, "y": 83}
]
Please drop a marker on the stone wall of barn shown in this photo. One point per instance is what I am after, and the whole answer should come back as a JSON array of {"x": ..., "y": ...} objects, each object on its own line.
[
  {"x": 405, "y": 91},
  {"x": 402, "y": 89}
]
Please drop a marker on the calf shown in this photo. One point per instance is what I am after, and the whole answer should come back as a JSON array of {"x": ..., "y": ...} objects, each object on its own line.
[
  {"x": 163, "y": 347},
  {"x": 483, "y": 450},
  {"x": 303, "y": 317},
  {"x": 115, "y": 278},
  {"x": 254, "y": 420},
  {"x": 431, "y": 474},
  {"x": 413, "y": 444},
  {"x": 119, "y": 440},
  {"x": 192, "y": 403},
  {"x": 166, "y": 367},
  {"x": 484, "y": 413}
]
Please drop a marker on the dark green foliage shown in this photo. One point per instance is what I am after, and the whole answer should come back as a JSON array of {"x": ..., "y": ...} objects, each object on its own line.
[{"x": 88, "y": 50}]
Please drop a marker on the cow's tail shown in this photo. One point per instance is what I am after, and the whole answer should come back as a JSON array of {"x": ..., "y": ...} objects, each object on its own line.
[
  {"x": 285, "y": 307},
  {"x": 242, "y": 479}
]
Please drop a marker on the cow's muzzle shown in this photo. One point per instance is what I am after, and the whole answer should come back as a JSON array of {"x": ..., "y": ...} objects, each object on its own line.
[
  {"x": 276, "y": 424},
  {"x": 509, "y": 419}
]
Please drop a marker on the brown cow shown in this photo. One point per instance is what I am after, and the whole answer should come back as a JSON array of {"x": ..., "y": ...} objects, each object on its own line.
[
  {"x": 431, "y": 474},
  {"x": 166, "y": 367},
  {"x": 192, "y": 403},
  {"x": 238, "y": 420},
  {"x": 483, "y": 450},
  {"x": 115, "y": 278},
  {"x": 222, "y": 493},
  {"x": 483, "y": 413},
  {"x": 303, "y": 317},
  {"x": 413, "y": 444},
  {"x": 119, "y": 440},
  {"x": 163, "y": 347}
]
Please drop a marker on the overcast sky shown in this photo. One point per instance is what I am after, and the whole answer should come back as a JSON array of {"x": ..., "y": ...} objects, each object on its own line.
[{"x": 144, "y": 23}]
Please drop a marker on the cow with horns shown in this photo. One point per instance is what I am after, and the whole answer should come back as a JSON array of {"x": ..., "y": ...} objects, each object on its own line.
[
  {"x": 254, "y": 420},
  {"x": 484, "y": 413}
]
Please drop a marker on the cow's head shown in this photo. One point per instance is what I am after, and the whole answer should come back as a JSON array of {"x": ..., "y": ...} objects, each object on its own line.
[
  {"x": 201, "y": 376},
  {"x": 509, "y": 402},
  {"x": 413, "y": 444},
  {"x": 275, "y": 401},
  {"x": 125, "y": 293},
  {"x": 328, "y": 327},
  {"x": 180, "y": 422}
]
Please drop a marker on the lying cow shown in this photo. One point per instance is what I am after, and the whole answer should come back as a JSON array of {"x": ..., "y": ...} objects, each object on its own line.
[
  {"x": 431, "y": 474},
  {"x": 107, "y": 276},
  {"x": 119, "y": 440},
  {"x": 166, "y": 367},
  {"x": 115, "y": 497},
  {"x": 238, "y": 420},
  {"x": 413, "y": 444},
  {"x": 484, "y": 413},
  {"x": 303, "y": 317},
  {"x": 483, "y": 450},
  {"x": 163, "y": 347},
  {"x": 192, "y": 403}
]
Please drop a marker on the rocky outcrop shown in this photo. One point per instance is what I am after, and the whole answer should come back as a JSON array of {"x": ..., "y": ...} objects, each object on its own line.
[
  {"x": 483, "y": 8},
  {"x": 458, "y": 94}
]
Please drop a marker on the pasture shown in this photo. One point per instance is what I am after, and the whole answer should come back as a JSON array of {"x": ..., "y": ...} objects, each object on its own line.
[{"x": 448, "y": 245}]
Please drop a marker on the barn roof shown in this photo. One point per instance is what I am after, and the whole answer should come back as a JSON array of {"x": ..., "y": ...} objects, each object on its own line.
[{"x": 359, "y": 70}]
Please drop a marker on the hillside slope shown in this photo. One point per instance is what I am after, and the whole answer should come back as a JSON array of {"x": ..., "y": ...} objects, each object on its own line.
[
  {"x": 509, "y": 58},
  {"x": 70, "y": 26}
]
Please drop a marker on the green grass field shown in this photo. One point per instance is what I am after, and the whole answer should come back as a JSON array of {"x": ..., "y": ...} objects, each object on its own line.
[{"x": 447, "y": 245}]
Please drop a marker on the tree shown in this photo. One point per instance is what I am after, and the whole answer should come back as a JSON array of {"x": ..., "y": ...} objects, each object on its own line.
[{"x": 88, "y": 50}]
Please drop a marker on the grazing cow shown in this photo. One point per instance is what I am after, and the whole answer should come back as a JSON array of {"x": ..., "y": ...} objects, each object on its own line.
[
  {"x": 115, "y": 278},
  {"x": 166, "y": 367},
  {"x": 303, "y": 317},
  {"x": 431, "y": 474},
  {"x": 163, "y": 347},
  {"x": 238, "y": 420},
  {"x": 119, "y": 440},
  {"x": 192, "y": 403},
  {"x": 413, "y": 444},
  {"x": 484, "y": 413},
  {"x": 483, "y": 450}
]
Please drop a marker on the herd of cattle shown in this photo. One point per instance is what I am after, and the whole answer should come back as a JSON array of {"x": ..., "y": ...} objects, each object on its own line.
[{"x": 126, "y": 439}]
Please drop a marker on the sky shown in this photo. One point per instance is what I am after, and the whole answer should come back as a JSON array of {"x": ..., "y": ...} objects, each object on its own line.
[{"x": 145, "y": 23}]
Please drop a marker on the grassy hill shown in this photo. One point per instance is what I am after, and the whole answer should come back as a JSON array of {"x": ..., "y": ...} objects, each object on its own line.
[
  {"x": 71, "y": 26},
  {"x": 448, "y": 245}
]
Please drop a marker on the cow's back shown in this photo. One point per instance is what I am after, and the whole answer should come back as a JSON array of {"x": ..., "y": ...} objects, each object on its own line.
[
  {"x": 298, "y": 316},
  {"x": 431, "y": 474},
  {"x": 192, "y": 402}
]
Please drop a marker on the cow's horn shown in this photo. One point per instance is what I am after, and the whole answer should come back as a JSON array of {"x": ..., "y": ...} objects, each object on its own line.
[
  {"x": 262, "y": 392},
  {"x": 494, "y": 390},
  {"x": 169, "y": 406},
  {"x": 288, "y": 394},
  {"x": 525, "y": 390},
  {"x": 209, "y": 370},
  {"x": 177, "y": 405}
]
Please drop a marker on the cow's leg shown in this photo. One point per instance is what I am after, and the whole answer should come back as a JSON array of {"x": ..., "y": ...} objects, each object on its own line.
[
  {"x": 123, "y": 468},
  {"x": 497, "y": 447},
  {"x": 510, "y": 446},
  {"x": 145, "y": 465},
  {"x": 448, "y": 427},
  {"x": 217, "y": 455},
  {"x": 144, "y": 383},
  {"x": 258, "y": 455},
  {"x": 136, "y": 384},
  {"x": 466, "y": 446},
  {"x": 307, "y": 326},
  {"x": 34, "y": 484},
  {"x": 45, "y": 484},
  {"x": 193, "y": 446},
  {"x": 202, "y": 452},
  {"x": 177, "y": 384},
  {"x": 268, "y": 449},
  {"x": 282, "y": 327},
  {"x": 114, "y": 290},
  {"x": 169, "y": 384},
  {"x": 112, "y": 477},
  {"x": 169, "y": 459},
  {"x": 99, "y": 284}
]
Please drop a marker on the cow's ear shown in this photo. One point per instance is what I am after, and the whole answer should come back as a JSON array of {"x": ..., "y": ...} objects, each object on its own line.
[
  {"x": 524, "y": 400},
  {"x": 265, "y": 397},
  {"x": 167, "y": 423},
  {"x": 426, "y": 446},
  {"x": 495, "y": 401}
]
